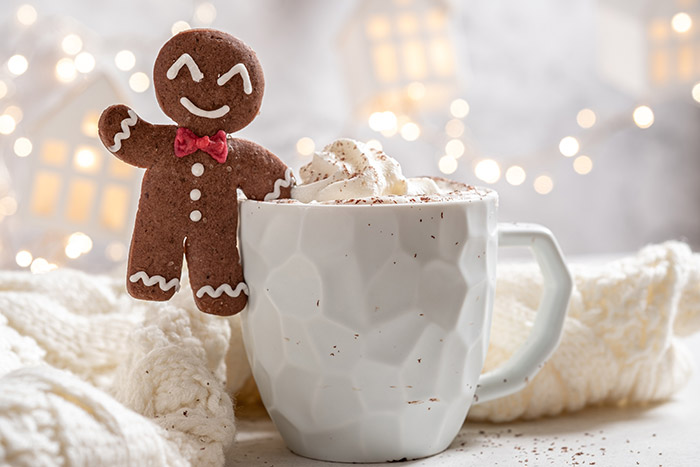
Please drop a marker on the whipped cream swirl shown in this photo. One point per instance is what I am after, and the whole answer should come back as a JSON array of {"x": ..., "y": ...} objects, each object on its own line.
[{"x": 349, "y": 169}]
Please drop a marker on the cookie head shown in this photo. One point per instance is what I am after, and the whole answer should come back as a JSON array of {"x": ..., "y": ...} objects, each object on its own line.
[{"x": 207, "y": 81}]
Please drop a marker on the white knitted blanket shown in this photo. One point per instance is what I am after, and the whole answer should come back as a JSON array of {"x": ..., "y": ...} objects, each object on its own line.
[{"x": 89, "y": 376}]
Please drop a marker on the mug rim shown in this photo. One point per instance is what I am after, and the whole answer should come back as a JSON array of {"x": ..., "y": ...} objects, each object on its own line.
[{"x": 483, "y": 194}]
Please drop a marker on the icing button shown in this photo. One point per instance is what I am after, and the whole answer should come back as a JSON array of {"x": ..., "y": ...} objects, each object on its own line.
[
  {"x": 195, "y": 216},
  {"x": 195, "y": 195},
  {"x": 197, "y": 169}
]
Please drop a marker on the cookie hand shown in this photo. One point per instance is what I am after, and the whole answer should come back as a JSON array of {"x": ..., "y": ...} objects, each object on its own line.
[
  {"x": 261, "y": 174},
  {"x": 123, "y": 133}
]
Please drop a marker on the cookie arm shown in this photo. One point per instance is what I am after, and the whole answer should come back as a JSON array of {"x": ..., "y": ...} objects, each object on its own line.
[
  {"x": 130, "y": 138},
  {"x": 261, "y": 174}
]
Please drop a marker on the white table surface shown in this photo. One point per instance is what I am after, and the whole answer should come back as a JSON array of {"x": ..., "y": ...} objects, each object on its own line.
[{"x": 666, "y": 434}]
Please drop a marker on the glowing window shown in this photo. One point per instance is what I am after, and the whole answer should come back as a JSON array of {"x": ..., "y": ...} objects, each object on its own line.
[
  {"x": 407, "y": 24},
  {"x": 119, "y": 169},
  {"x": 414, "y": 60},
  {"x": 114, "y": 208},
  {"x": 47, "y": 186},
  {"x": 436, "y": 20},
  {"x": 54, "y": 152},
  {"x": 377, "y": 27},
  {"x": 89, "y": 124},
  {"x": 685, "y": 62},
  {"x": 81, "y": 194},
  {"x": 441, "y": 57},
  {"x": 658, "y": 30},
  {"x": 385, "y": 63},
  {"x": 659, "y": 66}
]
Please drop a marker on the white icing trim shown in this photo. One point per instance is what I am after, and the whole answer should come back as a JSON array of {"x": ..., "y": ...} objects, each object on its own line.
[
  {"x": 125, "y": 133},
  {"x": 153, "y": 280},
  {"x": 236, "y": 69},
  {"x": 223, "y": 288},
  {"x": 280, "y": 183},
  {"x": 185, "y": 60},
  {"x": 194, "y": 110}
]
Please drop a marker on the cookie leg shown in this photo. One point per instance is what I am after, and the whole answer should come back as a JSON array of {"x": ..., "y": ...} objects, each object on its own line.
[
  {"x": 155, "y": 261},
  {"x": 216, "y": 274}
]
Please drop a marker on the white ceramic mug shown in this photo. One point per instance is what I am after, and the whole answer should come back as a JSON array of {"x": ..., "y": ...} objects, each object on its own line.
[{"x": 367, "y": 326}]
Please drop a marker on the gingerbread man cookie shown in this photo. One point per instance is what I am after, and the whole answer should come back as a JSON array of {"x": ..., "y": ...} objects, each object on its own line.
[{"x": 211, "y": 84}]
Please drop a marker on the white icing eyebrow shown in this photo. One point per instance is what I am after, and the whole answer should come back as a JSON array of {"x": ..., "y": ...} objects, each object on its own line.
[
  {"x": 235, "y": 69},
  {"x": 185, "y": 59}
]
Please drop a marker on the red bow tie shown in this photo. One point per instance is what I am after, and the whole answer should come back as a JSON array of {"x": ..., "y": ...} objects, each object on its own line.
[{"x": 186, "y": 142}]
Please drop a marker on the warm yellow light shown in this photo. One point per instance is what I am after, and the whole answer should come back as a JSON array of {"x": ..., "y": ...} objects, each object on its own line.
[
  {"x": 65, "y": 70},
  {"x": 447, "y": 164},
  {"x": 116, "y": 251},
  {"x": 454, "y": 128},
  {"x": 8, "y": 206},
  {"x": 22, "y": 147},
  {"x": 23, "y": 258},
  {"x": 179, "y": 26},
  {"x": 586, "y": 118},
  {"x": 72, "y": 251},
  {"x": 306, "y": 146},
  {"x": 543, "y": 184},
  {"x": 374, "y": 144},
  {"x": 487, "y": 170},
  {"x": 696, "y": 92},
  {"x": 407, "y": 24},
  {"x": 410, "y": 131},
  {"x": 7, "y": 124},
  {"x": 377, "y": 27},
  {"x": 14, "y": 112},
  {"x": 643, "y": 116},
  {"x": 385, "y": 122},
  {"x": 26, "y": 15},
  {"x": 375, "y": 121},
  {"x": 569, "y": 146},
  {"x": 125, "y": 60},
  {"x": 515, "y": 175},
  {"x": 17, "y": 64},
  {"x": 681, "y": 22},
  {"x": 84, "y": 62},
  {"x": 85, "y": 158},
  {"x": 459, "y": 108},
  {"x": 139, "y": 82},
  {"x": 89, "y": 124},
  {"x": 81, "y": 242},
  {"x": 40, "y": 266},
  {"x": 416, "y": 90},
  {"x": 583, "y": 165},
  {"x": 72, "y": 44},
  {"x": 3, "y": 89},
  {"x": 205, "y": 13},
  {"x": 454, "y": 148}
]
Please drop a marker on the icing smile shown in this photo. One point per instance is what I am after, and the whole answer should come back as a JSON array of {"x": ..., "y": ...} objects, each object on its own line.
[{"x": 194, "y": 110}]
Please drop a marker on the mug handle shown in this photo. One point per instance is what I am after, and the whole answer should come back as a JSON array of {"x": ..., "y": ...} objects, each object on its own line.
[{"x": 514, "y": 375}]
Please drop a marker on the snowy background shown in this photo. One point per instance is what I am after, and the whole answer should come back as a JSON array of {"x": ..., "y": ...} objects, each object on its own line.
[{"x": 526, "y": 70}]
